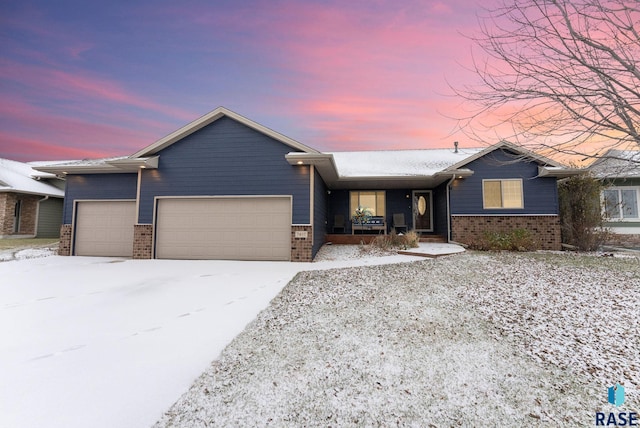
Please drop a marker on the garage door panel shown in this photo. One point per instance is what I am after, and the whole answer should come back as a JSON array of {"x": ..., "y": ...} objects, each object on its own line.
[
  {"x": 104, "y": 228},
  {"x": 224, "y": 228}
]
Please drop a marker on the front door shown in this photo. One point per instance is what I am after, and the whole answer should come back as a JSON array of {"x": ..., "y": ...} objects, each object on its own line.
[{"x": 422, "y": 211}]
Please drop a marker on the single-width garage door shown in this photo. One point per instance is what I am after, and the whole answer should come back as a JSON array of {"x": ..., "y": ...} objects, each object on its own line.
[
  {"x": 104, "y": 228},
  {"x": 244, "y": 228}
]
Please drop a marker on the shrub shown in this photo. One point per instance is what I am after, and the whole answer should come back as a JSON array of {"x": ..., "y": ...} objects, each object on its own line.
[
  {"x": 395, "y": 241},
  {"x": 581, "y": 216},
  {"x": 514, "y": 240},
  {"x": 384, "y": 242},
  {"x": 412, "y": 239}
]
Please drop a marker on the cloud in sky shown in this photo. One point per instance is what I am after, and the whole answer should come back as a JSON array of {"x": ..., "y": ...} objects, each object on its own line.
[{"x": 109, "y": 79}]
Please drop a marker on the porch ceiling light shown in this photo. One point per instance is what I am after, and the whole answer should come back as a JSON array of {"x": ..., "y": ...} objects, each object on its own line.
[{"x": 300, "y": 163}]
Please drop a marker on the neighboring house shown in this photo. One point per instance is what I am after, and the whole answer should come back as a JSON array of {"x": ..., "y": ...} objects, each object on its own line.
[
  {"x": 620, "y": 172},
  {"x": 30, "y": 201},
  {"x": 225, "y": 187}
]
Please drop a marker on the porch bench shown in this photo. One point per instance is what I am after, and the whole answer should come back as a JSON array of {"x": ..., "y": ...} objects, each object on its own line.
[{"x": 374, "y": 223}]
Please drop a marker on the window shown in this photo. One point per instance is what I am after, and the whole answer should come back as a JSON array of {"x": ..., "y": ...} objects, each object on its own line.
[
  {"x": 502, "y": 193},
  {"x": 372, "y": 201},
  {"x": 621, "y": 203}
]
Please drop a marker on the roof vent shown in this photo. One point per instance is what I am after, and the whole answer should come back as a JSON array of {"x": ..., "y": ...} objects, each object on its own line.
[{"x": 455, "y": 147}]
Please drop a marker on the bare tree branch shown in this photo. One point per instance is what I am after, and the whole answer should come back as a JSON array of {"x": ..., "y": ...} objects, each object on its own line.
[{"x": 562, "y": 75}]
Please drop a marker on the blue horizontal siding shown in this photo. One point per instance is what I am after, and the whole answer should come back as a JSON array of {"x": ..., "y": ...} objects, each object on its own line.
[
  {"x": 319, "y": 212},
  {"x": 97, "y": 186},
  {"x": 440, "y": 222},
  {"x": 226, "y": 158},
  {"x": 540, "y": 194}
]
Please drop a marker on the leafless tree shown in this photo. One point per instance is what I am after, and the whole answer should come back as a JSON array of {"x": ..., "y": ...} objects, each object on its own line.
[{"x": 559, "y": 75}]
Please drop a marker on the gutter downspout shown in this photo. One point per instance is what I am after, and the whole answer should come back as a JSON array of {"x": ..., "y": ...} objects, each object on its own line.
[
  {"x": 449, "y": 209},
  {"x": 35, "y": 229}
]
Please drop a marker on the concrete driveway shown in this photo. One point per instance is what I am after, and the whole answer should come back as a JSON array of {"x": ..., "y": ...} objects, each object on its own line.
[{"x": 107, "y": 342}]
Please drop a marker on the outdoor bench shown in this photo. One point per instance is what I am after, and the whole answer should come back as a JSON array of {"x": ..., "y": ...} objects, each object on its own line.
[{"x": 373, "y": 224}]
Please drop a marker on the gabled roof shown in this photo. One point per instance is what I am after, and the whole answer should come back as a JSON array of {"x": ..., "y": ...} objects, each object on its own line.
[
  {"x": 617, "y": 164},
  {"x": 412, "y": 168},
  {"x": 210, "y": 118},
  {"x": 20, "y": 177},
  {"x": 505, "y": 145},
  {"x": 387, "y": 168}
]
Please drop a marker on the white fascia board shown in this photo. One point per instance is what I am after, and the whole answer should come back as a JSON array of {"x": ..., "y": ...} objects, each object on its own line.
[
  {"x": 59, "y": 194},
  {"x": 117, "y": 166},
  {"x": 133, "y": 164},
  {"x": 459, "y": 173},
  {"x": 323, "y": 162},
  {"x": 546, "y": 171}
]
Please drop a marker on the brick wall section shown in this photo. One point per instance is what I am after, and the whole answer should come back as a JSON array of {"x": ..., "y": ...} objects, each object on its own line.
[
  {"x": 546, "y": 229},
  {"x": 142, "y": 241},
  {"x": 6, "y": 213},
  {"x": 623, "y": 240},
  {"x": 28, "y": 211},
  {"x": 64, "y": 248},
  {"x": 301, "y": 248}
]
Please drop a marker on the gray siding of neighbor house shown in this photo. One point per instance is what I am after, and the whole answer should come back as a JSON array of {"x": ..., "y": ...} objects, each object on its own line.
[
  {"x": 49, "y": 218},
  {"x": 540, "y": 194},
  {"x": 319, "y": 213},
  {"x": 98, "y": 186},
  {"x": 226, "y": 158},
  {"x": 622, "y": 182}
]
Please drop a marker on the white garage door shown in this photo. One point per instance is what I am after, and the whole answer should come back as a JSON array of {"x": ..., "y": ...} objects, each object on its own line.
[
  {"x": 105, "y": 228},
  {"x": 252, "y": 228}
]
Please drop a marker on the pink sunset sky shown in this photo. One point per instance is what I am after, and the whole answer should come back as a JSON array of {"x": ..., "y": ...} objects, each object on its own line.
[{"x": 96, "y": 79}]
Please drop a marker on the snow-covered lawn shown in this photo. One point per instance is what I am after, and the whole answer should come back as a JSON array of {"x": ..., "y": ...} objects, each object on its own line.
[
  {"x": 105, "y": 342},
  {"x": 472, "y": 340}
]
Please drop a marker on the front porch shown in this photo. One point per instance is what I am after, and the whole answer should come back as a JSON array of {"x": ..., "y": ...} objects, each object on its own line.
[
  {"x": 421, "y": 210},
  {"x": 344, "y": 239}
]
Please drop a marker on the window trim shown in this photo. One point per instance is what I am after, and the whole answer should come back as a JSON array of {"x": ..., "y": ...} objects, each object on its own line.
[
  {"x": 501, "y": 180},
  {"x": 621, "y": 217},
  {"x": 384, "y": 192}
]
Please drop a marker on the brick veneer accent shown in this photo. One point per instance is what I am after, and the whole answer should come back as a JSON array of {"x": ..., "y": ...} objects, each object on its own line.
[
  {"x": 6, "y": 213},
  {"x": 545, "y": 229},
  {"x": 301, "y": 248},
  {"x": 28, "y": 212},
  {"x": 64, "y": 248},
  {"x": 142, "y": 241}
]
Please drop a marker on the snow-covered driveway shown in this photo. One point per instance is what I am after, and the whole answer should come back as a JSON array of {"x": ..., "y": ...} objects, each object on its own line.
[{"x": 106, "y": 342}]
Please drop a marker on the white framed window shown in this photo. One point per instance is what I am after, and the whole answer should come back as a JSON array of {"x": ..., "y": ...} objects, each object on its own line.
[
  {"x": 502, "y": 193},
  {"x": 621, "y": 203},
  {"x": 373, "y": 201}
]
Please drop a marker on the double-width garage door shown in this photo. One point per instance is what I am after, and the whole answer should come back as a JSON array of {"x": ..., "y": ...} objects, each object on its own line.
[
  {"x": 104, "y": 228},
  {"x": 232, "y": 228}
]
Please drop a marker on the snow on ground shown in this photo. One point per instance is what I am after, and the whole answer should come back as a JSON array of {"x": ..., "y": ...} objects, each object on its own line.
[
  {"x": 28, "y": 253},
  {"x": 477, "y": 338},
  {"x": 474, "y": 339},
  {"x": 108, "y": 342}
]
